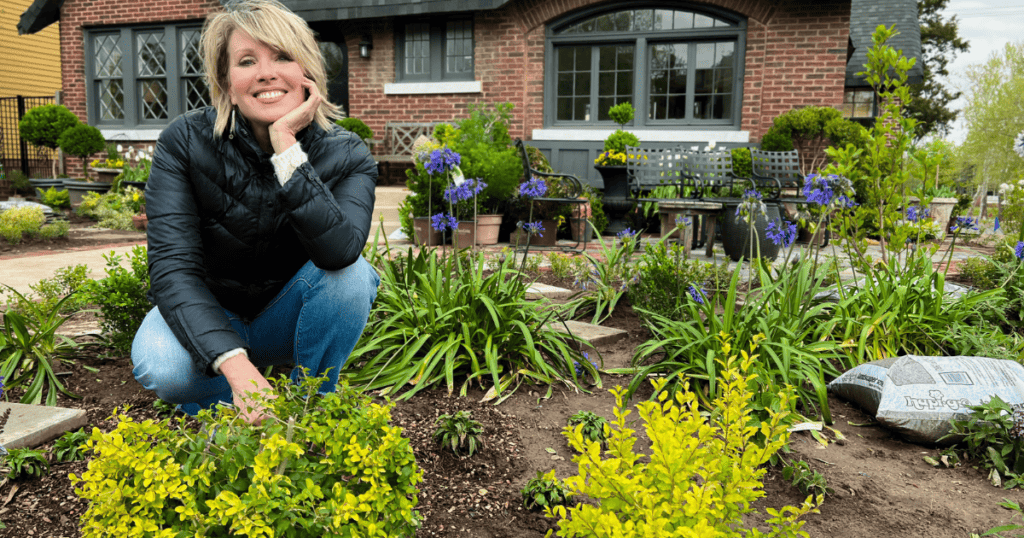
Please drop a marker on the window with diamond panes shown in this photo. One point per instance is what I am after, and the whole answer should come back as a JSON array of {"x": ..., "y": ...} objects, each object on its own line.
[
  {"x": 435, "y": 51},
  {"x": 677, "y": 67},
  {"x": 144, "y": 76},
  {"x": 107, "y": 82},
  {"x": 194, "y": 91}
]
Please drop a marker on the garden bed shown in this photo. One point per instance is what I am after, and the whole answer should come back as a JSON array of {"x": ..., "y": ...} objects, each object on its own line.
[
  {"x": 79, "y": 236},
  {"x": 882, "y": 486}
]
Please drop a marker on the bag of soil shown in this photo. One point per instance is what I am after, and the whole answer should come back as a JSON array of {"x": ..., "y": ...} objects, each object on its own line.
[{"x": 918, "y": 396}]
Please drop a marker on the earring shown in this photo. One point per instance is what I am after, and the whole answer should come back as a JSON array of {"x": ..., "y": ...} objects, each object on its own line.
[{"x": 231, "y": 135}]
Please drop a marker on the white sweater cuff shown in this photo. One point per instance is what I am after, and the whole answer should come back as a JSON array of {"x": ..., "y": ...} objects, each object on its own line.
[
  {"x": 227, "y": 355},
  {"x": 286, "y": 162}
]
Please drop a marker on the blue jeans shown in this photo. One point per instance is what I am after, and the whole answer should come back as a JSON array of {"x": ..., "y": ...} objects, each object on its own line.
[{"x": 314, "y": 323}]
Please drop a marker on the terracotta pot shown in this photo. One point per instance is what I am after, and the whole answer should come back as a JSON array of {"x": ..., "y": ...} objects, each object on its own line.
[
  {"x": 548, "y": 239},
  {"x": 581, "y": 229},
  {"x": 487, "y": 227},
  {"x": 465, "y": 235},
  {"x": 140, "y": 221},
  {"x": 424, "y": 233}
]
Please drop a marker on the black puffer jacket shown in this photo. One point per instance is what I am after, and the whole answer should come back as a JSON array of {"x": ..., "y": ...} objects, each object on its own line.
[{"x": 223, "y": 233}]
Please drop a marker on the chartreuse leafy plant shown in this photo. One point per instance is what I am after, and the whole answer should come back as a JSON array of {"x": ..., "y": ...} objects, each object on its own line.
[
  {"x": 28, "y": 343},
  {"x": 544, "y": 491},
  {"x": 25, "y": 463},
  {"x": 459, "y": 433},
  {"x": 321, "y": 465},
  {"x": 440, "y": 320},
  {"x": 701, "y": 475}
]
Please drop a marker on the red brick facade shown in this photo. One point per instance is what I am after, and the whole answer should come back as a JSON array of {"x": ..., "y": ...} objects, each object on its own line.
[{"x": 795, "y": 55}]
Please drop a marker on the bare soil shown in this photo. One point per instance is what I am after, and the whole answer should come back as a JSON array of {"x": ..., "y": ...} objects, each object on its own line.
[{"x": 882, "y": 485}]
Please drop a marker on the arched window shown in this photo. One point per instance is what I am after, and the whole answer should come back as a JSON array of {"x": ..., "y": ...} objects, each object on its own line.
[{"x": 677, "y": 66}]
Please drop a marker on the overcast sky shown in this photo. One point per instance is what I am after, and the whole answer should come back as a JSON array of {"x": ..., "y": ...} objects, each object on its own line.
[{"x": 988, "y": 26}]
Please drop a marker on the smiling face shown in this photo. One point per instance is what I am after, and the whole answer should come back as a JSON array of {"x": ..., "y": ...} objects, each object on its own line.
[{"x": 264, "y": 83}]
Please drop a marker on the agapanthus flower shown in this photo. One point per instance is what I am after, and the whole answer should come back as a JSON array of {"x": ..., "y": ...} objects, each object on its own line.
[
  {"x": 696, "y": 294},
  {"x": 828, "y": 190},
  {"x": 533, "y": 228},
  {"x": 964, "y": 223},
  {"x": 443, "y": 221},
  {"x": 468, "y": 189},
  {"x": 916, "y": 213},
  {"x": 440, "y": 161},
  {"x": 751, "y": 206},
  {"x": 683, "y": 221},
  {"x": 628, "y": 233},
  {"x": 781, "y": 232},
  {"x": 1018, "y": 251},
  {"x": 534, "y": 188}
]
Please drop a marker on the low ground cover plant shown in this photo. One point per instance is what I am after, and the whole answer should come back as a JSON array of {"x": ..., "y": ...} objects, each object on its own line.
[
  {"x": 545, "y": 491},
  {"x": 18, "y": 222},
  {"x": 458, "y": 433},
  {"x": 113, "y": 210},
  {"x": 321, "y": 465},
  {"x": 438, "y": 319},
  {"x": 24, "y": 463},
  {"x": 656, "y": 495},
  {"x": 593, "y": 425},
  {"x": 57, "y": 199},
  {"x": 70, "y": 446},
  {"x": 994, "y": 436}
]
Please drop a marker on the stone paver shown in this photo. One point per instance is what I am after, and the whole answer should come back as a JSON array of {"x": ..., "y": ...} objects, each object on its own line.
[
  {"x": 596, "y": 335},
  {"x": 538, "y": 289},
  {"x": 32, "y": 425}
]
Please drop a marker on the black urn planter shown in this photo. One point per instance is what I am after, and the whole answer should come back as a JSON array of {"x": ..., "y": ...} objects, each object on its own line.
[
  {"x": 616, "y": 198},
  {"x": 736, "y": 232}
]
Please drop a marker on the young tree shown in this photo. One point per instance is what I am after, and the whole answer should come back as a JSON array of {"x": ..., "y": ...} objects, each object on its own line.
[{"x": 940, "y": 43}]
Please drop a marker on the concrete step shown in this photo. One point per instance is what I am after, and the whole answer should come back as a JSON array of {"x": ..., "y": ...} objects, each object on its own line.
[{"x": 32, "y": 425}]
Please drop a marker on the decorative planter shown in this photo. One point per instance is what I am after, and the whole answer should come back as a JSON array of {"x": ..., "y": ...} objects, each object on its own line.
[
  {"x": 548, "y": 239},
  {"x": 581, "y": 229},
  {"x": 465, "y": 235},
  {"x": 736, "y": 232},
  {"x": 941, "y": 210},
  {"x": 423, "y": 233},
  {"x": 617, "y": 202},
  {"x": 140, "y": 222},
  {"x": 77, "y": 189},
  {"x": 487, "y": 227},
  {"x": 106, "y": 175},
  {"x": 44, "y": 184}
]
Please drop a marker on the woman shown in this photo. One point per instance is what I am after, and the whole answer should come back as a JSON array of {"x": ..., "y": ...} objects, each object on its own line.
[{"x": 259, "y": 208}]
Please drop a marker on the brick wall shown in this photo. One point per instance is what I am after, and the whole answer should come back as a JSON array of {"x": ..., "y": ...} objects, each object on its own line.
[{"x": 796, "y": 55}]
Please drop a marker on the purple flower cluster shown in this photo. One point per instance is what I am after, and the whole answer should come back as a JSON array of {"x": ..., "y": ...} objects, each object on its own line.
[
  {"x": 781, "y": 232},
  {"x": 964, "y": 223},
  {"x": 469, "y": 188},
  {"x": 1018, "y": 251},
  {"x": 533, "y": 228},
  {"x": 628, "y": 233},
  {"x": 443, "y": 221},
  {"x": 916, "y": 213},
  {"x": 696, "y": 294},
  {"x": 826, "y": 190},
  {"x": 534, "y": 188},
  {"x": 579, "y": 367},
  {"x": 683, "y": 221},
  {"x": 440, "y": 161}
]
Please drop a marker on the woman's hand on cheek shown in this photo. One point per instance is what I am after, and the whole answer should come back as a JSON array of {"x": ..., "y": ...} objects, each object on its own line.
[{"x": 283, "y": 131}]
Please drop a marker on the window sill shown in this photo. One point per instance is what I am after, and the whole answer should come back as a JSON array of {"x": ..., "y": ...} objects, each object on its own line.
[
  {"x": 645, "y": 135},
  {"x": 414, "y": 88},
  {"x": 131, "y": 135}
]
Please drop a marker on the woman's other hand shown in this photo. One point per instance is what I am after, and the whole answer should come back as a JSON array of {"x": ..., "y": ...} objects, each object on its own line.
[
  {"x": 283, "y": 131},
  {"x": 246, "y": 380}
]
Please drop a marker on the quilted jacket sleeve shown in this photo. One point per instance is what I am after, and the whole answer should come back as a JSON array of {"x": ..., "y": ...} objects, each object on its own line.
[
  {"x": 176, "y": 265},
  {"x": 330, "y": 199}
]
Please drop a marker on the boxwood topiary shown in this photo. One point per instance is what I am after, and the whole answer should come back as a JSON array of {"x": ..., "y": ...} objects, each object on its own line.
[
  {"x": 356, "y": 125},
  {"x": 320, "y": 465},
  {"x": 809, "y": 129},
  {"x": 81, "y": 140},
  {"x": 618, "y": 141},
  {"x": 43, "y": 125}
]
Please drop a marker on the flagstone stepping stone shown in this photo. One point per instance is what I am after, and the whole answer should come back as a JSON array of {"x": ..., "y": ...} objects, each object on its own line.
[
  {"x": 32, "y": 425},
  {"x": 551, "y": 292},
  {"x": 596, "y": 335}
]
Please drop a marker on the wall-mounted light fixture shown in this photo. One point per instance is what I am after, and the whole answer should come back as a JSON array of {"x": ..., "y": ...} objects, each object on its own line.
[{"x": 365, "y": 45}]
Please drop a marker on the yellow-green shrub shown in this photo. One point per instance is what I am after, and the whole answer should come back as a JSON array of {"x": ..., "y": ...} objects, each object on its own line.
[
  {"x": 322, "y": 466},
  {"x": 702, "y": 474},
  {"x": 17, "y": 221}
]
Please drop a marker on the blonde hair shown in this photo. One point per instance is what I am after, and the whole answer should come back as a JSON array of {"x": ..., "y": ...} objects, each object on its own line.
[{"x": 269, "y": 22}]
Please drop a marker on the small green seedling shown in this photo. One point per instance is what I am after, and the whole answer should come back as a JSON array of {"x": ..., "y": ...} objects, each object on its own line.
[
  {"x": 69, "y": 447},
  {"x": 459, "y": 433},
  {"x": 545, "y": 491},
  {"x": 164, "y": 408},
  {"x": 25, "y": 463},
  {"x": 809, "y": 482},
  {"x": 593, "y": 425}
]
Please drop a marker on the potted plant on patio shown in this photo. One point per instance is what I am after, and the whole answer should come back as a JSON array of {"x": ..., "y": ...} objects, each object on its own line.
[
  {"x": 109, "y": 166},
  {"x": 611, "y": 164},
  {"x": 42, "y": 127},
  {"x": 82, "y": 140}
]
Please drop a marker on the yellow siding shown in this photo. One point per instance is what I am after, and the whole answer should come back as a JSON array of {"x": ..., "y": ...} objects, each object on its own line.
[{"x": 29, "y": 64}]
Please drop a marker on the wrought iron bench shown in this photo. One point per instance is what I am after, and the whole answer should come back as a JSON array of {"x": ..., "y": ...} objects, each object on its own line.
[{"x": 571, "y": 184}]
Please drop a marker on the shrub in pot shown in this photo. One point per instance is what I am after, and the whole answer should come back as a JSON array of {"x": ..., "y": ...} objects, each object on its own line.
[
  {"x": 356, "y": 126},
  {"x": 43, "y": 125},
  {"x": 81, "y": 140}
]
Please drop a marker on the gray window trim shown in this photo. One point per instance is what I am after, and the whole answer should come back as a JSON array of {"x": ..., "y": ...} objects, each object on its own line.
[
  {"x": 132, "y": 107},
  {"x": 437, "y": 52},
  {"x": 640, "y": 78}
]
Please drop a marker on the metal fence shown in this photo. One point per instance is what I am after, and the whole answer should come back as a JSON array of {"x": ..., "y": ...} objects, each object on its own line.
[{"x": 15, "y": 153}]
